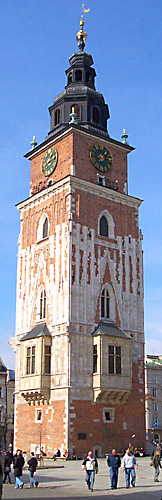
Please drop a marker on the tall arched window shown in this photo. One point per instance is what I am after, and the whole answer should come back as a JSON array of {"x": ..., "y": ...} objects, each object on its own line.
[
  {"x": 69, "y": 78},
  {"x": 95, "y": 114},
  {"x": 75, "y": 108},
  {"x": 43, "y": 304},
  {"x": 78, "y": 75},
  {"x": 45, "y": 229},
  {"x": 57, "y": 116},
  {"x": 105, "y": 304},
  {"x": 104, "y": 227}
]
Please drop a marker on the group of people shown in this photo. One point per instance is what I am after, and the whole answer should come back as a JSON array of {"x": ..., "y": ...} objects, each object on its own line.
[
  {"x": 90, "y": 465},
  {"x": 18, "y": 463}
]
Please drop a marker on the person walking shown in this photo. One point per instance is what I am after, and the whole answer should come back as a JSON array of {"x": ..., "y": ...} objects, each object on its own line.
[
  {"x": 90, "y": 465},
  {"x": 128, "y": 465},
  {"x": 156, "y": 464},
  {"x": 18, "y": 465},
  {"x": 114, "y": 463},
  {"x": 32, "y": 468},
  {"x": 7, "y": 468},
  {"x": 1, "y": 472}
]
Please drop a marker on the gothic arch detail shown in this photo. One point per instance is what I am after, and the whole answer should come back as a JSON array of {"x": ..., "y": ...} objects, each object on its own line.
[
  {"x": 107, "y": 302},
  {"x": 43, "y": 228},
  {"x": 110, "y": 223}
]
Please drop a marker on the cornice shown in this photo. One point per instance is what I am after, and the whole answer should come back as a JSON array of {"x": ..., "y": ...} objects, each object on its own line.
[
  {"x": 51, "y": 140},
  {"x": 89, "y": 187}
]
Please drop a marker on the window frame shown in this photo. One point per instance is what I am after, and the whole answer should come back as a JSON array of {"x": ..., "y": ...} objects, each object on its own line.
[
  {"x": 47, "y": 359},
  {"x": 114, "y": 360},
  {"x": 105, "y": 303},
  {"x": 30, "y": 360},
  {"x": 95, "y": 358}
]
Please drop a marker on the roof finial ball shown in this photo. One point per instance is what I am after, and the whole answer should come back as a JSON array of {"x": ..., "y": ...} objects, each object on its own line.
[
  {"x": 82, "y": 35},
  {"x": 124, "y": 136}
]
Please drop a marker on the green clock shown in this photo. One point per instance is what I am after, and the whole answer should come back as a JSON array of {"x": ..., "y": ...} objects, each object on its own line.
[
  {"x": 101, "y": 158},
  {"x": 49, "y": 162}
]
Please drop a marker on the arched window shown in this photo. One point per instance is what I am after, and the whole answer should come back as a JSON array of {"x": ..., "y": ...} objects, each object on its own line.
[
  {"x": 69, "y": 78},
  {"x": 95, "y": 114},
  {"x": 105, "y": 304},
  {"x": 78, "y": 75},
  {"x": 104, "y": 227},
  {"x": 45, "y": 229},
  {"x": 75, "y": 108},
  {"x": 88, "y": 76},
  {"x": 57, "y": 116},
  {"x": 43, "y": 304}
]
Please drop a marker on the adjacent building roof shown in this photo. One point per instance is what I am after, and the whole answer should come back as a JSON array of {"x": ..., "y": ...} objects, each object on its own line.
[
  {"x": 11, "y": 375},
  {"x": 40, "y": 330},
  {"x": 109, "y": 328},
  {"x": 154, "y": 361},
  {"x": 3, "y": 367}
]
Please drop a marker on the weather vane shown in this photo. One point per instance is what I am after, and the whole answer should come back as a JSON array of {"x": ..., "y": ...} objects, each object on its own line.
[
  {"x": 82, "y": 35},
  {"x": 84, "y": 10}
]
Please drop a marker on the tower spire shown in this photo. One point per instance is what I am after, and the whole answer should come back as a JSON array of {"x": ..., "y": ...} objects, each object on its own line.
[{"x": 81, "y": 36}]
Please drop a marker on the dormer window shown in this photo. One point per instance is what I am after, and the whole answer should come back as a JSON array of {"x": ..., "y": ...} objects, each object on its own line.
[
  {"x": 95, "y": 114},
  {"x": 57, "y": 117},
  {"x": 78, "y": 75}
]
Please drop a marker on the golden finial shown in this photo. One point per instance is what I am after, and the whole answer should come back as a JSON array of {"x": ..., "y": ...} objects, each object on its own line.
[{"x": 82, "y": 35}]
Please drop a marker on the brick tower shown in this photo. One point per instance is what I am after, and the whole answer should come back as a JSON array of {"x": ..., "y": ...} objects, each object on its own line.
[{"x": 79, "y": 315}]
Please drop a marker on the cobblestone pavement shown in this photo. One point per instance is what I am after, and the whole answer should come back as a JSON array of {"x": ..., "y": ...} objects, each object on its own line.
[{"x": 69, "y": 482}]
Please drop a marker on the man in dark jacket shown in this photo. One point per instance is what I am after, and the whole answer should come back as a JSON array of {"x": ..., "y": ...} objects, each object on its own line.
[
  {"x": 32, "y": 468},
  {"x": 18, "y": 462},
  {"x": 114, "y": 463},
  {"x": 7, "y": 468}
]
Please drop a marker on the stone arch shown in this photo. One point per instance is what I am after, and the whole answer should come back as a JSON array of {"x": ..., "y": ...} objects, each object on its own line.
[
  {"x": 110, "y": 222},
  {"x": 43, "y": 228}
]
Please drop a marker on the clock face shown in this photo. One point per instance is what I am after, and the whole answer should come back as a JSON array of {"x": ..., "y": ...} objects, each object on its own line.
[
  {"x": 49, "y": 162},
  {"x": 101, "y": 158}
]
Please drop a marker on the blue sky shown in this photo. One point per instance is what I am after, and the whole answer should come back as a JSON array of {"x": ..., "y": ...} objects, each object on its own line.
[{"x": 125, "y": 40}]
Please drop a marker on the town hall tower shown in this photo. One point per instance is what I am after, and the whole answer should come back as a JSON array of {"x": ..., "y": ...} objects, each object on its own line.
[{"x": 79, "y": 312}]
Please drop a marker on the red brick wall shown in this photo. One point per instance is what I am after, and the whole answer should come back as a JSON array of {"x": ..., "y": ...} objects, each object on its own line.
[
  {"x": 110, "y": 435},
  {"x": 29, "y": 431}
]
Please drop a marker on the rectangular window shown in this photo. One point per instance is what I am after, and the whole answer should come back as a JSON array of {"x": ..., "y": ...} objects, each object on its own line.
[
  {"x": 47, "y": 359},
  {"x": 111, "y": 359},
  {"x": 33, "y": 360},
  {"x": 1, "y": 392},
  {"x": 95, "y": 359},
  {"x": 155, "y": 407},
  {"x": 118, "y": 360},
  {"x": 39, "y": 416},
  {"x": 114, "y": 360},
  {"x": 154, "y": 392},
  {"x": 28, "y": 361},
  {"x": 82, "y": 435}
]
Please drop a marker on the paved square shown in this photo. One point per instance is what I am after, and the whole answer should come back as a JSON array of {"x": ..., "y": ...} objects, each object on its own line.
[{"x": 69, "y": 482}]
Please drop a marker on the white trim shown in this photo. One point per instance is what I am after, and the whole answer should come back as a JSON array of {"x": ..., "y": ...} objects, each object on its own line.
[
  {"x": 110, "y": 222},
  {"x": 40, "y": 227}
]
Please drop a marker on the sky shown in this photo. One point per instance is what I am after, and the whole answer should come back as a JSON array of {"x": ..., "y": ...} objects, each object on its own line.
[{"x": 125, "y": 40}]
